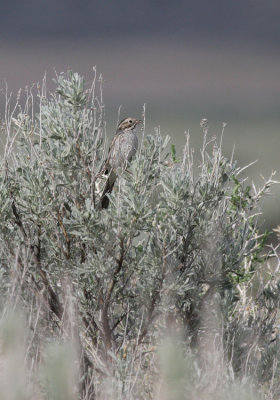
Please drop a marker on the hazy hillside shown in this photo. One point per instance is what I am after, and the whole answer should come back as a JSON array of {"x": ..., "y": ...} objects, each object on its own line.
[{"x": 246, "y": 20}]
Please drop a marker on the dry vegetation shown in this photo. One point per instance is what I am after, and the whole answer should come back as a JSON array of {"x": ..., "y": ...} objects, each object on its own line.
[{"x": 168, "y": 294}]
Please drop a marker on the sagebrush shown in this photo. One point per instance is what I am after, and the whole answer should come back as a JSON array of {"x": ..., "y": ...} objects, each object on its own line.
[{"x": 168, "y": 294}]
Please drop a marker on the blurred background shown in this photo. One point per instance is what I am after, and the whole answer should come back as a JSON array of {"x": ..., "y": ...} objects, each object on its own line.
[{"x": 186, "y": 60}]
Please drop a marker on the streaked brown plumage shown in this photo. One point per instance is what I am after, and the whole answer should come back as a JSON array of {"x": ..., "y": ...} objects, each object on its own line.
[{"x": 122, "y": 149}]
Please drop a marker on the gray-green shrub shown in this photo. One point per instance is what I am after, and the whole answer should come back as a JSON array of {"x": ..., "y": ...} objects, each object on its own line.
[{"x": 177, "y": 252}]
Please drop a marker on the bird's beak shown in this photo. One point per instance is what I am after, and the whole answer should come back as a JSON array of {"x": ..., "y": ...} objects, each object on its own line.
[{"x": 139, "y": 121}]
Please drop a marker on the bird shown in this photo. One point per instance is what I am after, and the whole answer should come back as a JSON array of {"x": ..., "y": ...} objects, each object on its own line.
[{"x": 121, "y": 151}]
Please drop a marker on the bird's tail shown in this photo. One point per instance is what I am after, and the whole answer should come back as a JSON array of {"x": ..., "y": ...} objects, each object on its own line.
[{"x": 104, "y": 201}]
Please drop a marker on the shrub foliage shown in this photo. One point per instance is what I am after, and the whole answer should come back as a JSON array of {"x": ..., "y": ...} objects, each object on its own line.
[{"x": 177, "y": 253}]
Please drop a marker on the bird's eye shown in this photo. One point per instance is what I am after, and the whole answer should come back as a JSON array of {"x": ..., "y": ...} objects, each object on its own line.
[{"x": 130, "y": 121}]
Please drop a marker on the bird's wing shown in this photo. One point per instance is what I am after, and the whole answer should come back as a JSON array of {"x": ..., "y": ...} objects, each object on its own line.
[
  {"x": 113, "y": 144},
  {"x": 106, "y": 167},
  {"x": 114, "y": 154}
]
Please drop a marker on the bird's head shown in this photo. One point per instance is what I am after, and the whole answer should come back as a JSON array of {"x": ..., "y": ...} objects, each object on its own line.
[{"x": 128, "y": 124}]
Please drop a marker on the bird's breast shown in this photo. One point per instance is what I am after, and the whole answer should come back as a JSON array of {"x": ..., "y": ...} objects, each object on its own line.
[{"x": 124, "y": 149}]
